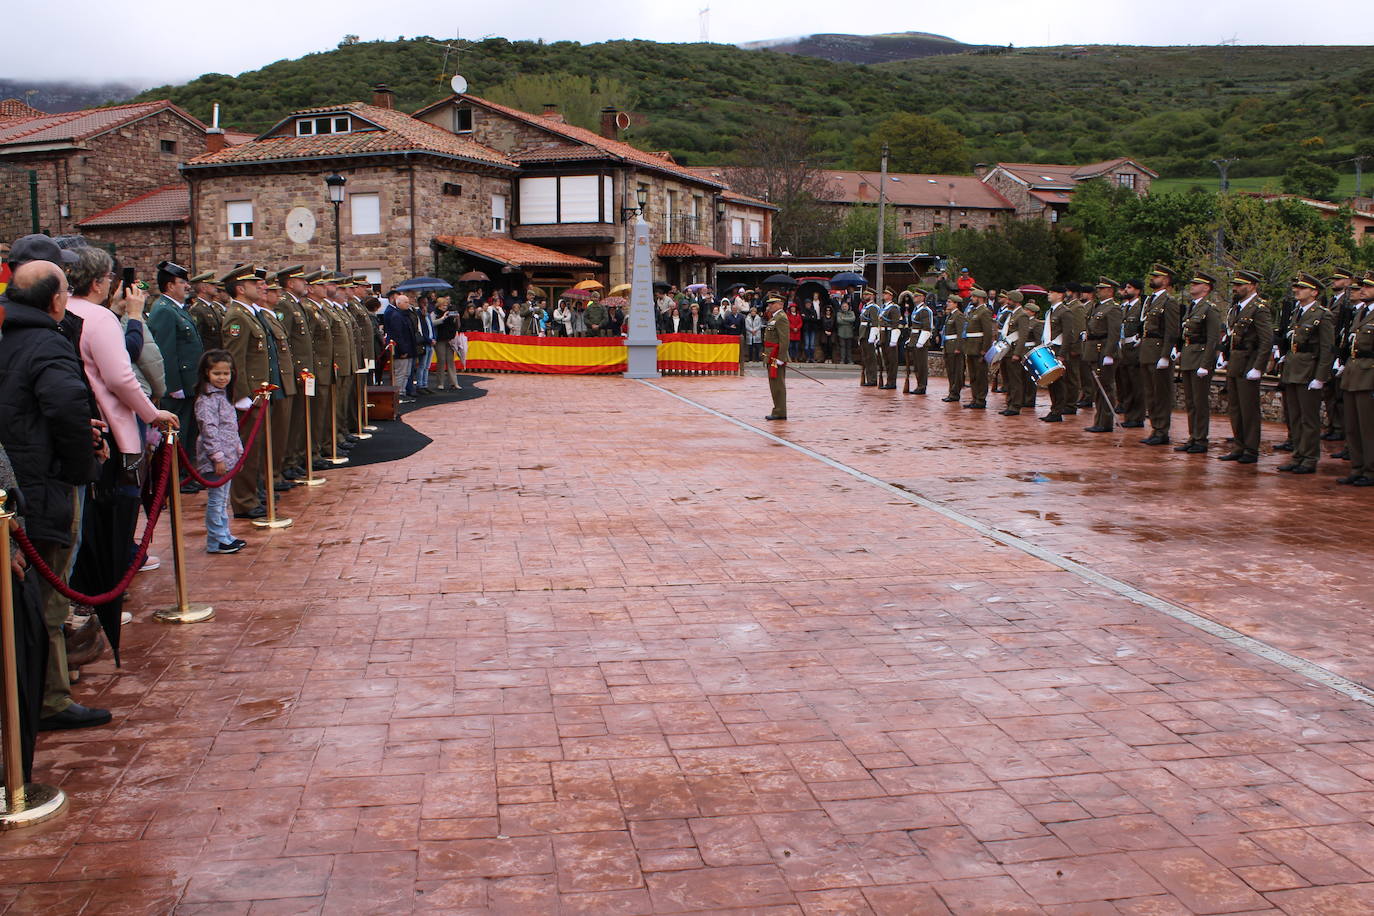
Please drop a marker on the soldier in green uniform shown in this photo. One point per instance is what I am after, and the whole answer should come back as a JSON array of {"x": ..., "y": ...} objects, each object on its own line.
[
  {"x": 952, "y": 345},
  {"x": 293, "y": 314},
  {"x": 1201, "y": 338},
  {"x": 1056, "y": 333},
  {"x": 322, "y": 349},
  {"x": 1101, "y": 346},
  {"x": 1160, "y": 330},
  {"x": 979, "y": 333},
  {"x": 1130, "y": 398},
  {"x": 1083, "y": 365},
  {"x": 1073, "y": 355},
  {"x": 365, "y": 341},
  {"x": 1249, "y": 334},
  {"x": 890, "y": 315},
  {"x": 1306, "y": 370},
  {"x": 776, "y": 331},
  {"x": 174, "y": 331},
  {"x": 1341, "y": 306},
  {"x": 1357, "y": 386},
  {"x": 283, "y": 376},
  {"x": 206, "y": 311},
  {"x": 345, "y": 359},
  {"x": 1015, "y": 331},
  {"x": 245, "y": 337},
  {"x": 870, "y": 332},
  {"x": 920, "y": 326}
]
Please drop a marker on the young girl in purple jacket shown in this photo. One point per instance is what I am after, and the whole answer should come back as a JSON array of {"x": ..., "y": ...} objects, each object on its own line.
[{"x": 217, "y": 446}]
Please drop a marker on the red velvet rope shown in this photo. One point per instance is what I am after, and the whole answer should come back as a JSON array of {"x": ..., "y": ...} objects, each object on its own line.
[
  {"x": 189, "y": 464},
  {"x": 140, "y": 555}
]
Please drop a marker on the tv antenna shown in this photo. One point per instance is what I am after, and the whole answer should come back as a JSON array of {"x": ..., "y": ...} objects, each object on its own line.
[{"x": 704, "y": 18}]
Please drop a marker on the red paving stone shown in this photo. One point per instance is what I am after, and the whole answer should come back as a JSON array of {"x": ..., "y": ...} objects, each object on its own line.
[{"x": 607, "y": 653}]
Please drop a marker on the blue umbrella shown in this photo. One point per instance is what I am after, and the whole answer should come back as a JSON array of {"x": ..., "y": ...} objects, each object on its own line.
[
  {"x": 421, "y": 284},
  {"x": 846, "y": 280}
]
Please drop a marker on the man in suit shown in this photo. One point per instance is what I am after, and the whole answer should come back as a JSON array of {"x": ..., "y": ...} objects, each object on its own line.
[
  {"x": 1201, "y": 338},
  {"x": 952, "y": 335},
  {"x": 1160, "y": 328},
  {"x": 1306, "y": 371},
  {"x": 175, "y": 333},
  {"x": 1101, "y": 346},
  {"x": 1249, "y": 334}
]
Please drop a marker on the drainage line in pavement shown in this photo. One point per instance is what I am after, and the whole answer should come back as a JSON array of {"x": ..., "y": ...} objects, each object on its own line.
[{"x": 1233, "y": 638}]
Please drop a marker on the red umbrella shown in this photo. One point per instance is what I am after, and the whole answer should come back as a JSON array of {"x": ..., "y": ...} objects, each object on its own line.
[
  {"x": 474, "y": 276},
  {"x": 618, "y": 301},
  {"x": 575, "y": 294},
  {"x": 1032, "y": 288}
]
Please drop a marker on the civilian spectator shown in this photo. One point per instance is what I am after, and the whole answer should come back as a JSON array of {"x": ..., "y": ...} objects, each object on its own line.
[
  {"x": 826, "y": 343},
  {"x": 753, "y": 332},
  {"x": 794, "y": 322},
  {"x": 965, "y": 283},
  {"x": 400, "y": 330},
  {"x": 596, "y": 319},
  {"x": 577, "y": 322},
  {"x": 445, "y": 330},
  {"x": 846, "y": 319},
  {"x": 424, "y": 344},
  {"x": 218, "y": 448},
  {"x": 811, "y": 326},
  {"x": 561, "y": 326}
]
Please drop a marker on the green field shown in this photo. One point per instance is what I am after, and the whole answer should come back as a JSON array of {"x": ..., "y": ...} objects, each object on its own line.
[{"x": 1345, "y": 189}]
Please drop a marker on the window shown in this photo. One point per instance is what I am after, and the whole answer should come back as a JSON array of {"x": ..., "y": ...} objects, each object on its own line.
[
  {"x": 736, "y": 231},
  {"x": 365, "y": 211},
  {"x": 755, "y": 233},
  {"x": 240, "y": 214},
  {"x": 566, "y": 199},
  {"x": 1126, "y": 180},
  {"x": 498, "y": 213},
  {"x": 696, "y": 212},
  {"x": 453, "y": 190},
  {"x": 579, "y": 199},
  {"x": 538, "y": 200},
  {"x": 333, "y": 124},
  {"x": 462, "y": 120},
  {"x": 374, "y": 277},
  {"x": 1054, "y": 216},
  {"x": 167, "y": 146},
  {"x": 906, "y": 227},
  {"x": 669, "y": 211},
  {"x": 963, "y": 225}
]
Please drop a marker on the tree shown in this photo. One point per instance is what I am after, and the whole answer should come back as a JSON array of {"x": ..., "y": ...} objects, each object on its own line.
[
  {"x": 775, "y": 167},
  {"x": 579, "y": 98},
  {"x": 859, "y": 230},
  {"x": 349, "y": 40},
  {"x": 1310, "y": 179},
  {"x": 1123, "y": 234},
  {"x": 1013, "y": 252},
  {"x": 915, "y": 143}
]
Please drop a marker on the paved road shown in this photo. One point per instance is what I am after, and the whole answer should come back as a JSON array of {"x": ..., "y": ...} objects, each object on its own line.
[{"x": 600, "y": 650}]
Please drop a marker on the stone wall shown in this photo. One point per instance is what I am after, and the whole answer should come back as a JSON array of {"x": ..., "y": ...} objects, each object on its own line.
[{"x": 1018, "y": 195}]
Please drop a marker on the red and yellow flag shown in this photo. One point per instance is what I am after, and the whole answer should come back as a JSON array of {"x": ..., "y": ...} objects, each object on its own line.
[{"x": 557, "y": 355}]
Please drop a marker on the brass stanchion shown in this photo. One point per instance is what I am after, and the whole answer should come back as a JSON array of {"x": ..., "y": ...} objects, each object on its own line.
[
  {"x": 24, "y": 804},
  {"x": 366, "y": 378},
  {"x": 308, "y": 391},
  {"x": 271, "y": 481},
  {"x": 362, "y": 405},
  {"x": 184, "y": 611},
  {"x": 334, "y": 429}
]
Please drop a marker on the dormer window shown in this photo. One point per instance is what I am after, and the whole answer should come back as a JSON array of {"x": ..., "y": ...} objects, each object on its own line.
[
  {"x": 462, "y": 120},
  {"x": 330, "y": 124}
]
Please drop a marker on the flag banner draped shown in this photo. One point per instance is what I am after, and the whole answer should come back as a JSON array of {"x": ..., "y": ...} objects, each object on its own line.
[
  {"x": 593, "y": 355},
  {"x": 698, "y": 353}
]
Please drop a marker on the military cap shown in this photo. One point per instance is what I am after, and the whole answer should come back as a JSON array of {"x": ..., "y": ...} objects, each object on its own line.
[
  {"x": 1016, "y": 296},
  {"x": 887, "y": 291},
  {"x": 288, "y": 273},
  {"x": 1246, "y": 276},
  {"x": 1074, "y": 287},
  {"x": 1106, "y": 283},
  {"x": 273, "y": 283},
  {"x": 1059, "y": 288},
  {"x": 318, "y": 277},
  {"x": 1203, "y": 277},
  {"x": 1341, "y": 273},
  {"x": 361, "y": 280},
  {"x": 1032, "y": 306},
  {"x": 1162, "y": 270},
  {"x": 205, "y": 276},
  {"x": 771, "y": 299},
  {"x": 244, "y": 272},
  {"x": 977, "y": 293},
  {"x": 1368, "y": 278},
  {"x": 1306, "y": 279},
  {"x": 173, "y": 269}
]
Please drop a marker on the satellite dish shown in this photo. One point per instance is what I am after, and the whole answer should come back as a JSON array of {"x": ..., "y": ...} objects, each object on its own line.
[
  {"x": 459, "y": 84},
  {"x": 622, "y": 120}
]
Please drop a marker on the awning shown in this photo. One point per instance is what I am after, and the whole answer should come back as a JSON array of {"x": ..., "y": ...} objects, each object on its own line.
[
  {"x": 515, "y": 254},
  {"x": 689, "y": 251}
]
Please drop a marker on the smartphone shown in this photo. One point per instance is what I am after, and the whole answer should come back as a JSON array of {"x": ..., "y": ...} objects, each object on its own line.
[{"x": 127, "y": 281}]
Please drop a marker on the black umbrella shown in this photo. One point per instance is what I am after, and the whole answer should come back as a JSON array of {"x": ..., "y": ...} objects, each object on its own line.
[
  {"x": 846, "y": 280},
  {"x": 779, "y": 280},
  {"x": 423, "y": 284},
  {"x": 661, "y": 286},
  {"x": 108, "y": 522}
]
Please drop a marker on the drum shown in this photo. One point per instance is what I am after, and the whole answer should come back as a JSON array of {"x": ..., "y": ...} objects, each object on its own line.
[
  {"x": 996, "y": 352},
  {"x": 1044, "y": 366}
]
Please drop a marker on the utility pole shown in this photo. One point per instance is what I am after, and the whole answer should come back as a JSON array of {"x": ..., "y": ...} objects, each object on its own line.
[
  {"x": 1223, "y": 166},
  {"x": 882, "y": 220}
]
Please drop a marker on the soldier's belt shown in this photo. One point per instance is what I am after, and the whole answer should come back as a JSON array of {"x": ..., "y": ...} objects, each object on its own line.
[
  {"x": 974, "y": 334},
  {"x": 1149, "y": 336}
]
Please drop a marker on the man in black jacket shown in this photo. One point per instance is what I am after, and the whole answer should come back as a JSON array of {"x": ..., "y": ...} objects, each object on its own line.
[{"x": 45, "y": 426}]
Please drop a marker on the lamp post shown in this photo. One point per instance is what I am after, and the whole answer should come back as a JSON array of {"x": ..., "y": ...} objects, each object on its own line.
[{"x": 335, "y": 183}]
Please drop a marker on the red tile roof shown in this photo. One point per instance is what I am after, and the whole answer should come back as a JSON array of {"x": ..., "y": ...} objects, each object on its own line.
[
  {"x": 1051, "y": 196},
  {"x": 906, "y": 189},
  {"x": 15, "y": 109},
  {"x": 72, "y": 126},
  {"x": 1053, "y": 175},
  {"x": 613, "y": 149},
  {"x": 516, "y": 254},
  {"x": 171, "y": 204},
  {"x": 394, "y": 131},
  {"x": 688, "y": 250}
]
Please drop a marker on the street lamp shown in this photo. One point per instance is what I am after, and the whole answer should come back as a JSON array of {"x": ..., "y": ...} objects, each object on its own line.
[
  {"x": 641, "y": 195},
  {"x": 335, "y": 183}
]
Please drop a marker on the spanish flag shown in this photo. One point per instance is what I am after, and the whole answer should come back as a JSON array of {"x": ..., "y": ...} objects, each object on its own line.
[
  {"x": 4, "y": 278},
  {"x": 698, "y": 352},
  {"x": 556, "y": 355}
]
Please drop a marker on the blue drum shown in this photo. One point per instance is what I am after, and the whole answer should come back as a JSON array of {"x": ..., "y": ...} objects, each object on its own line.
[{"x": 1044, "y": 366}]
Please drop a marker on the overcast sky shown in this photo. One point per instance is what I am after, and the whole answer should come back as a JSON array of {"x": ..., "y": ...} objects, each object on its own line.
[{"x": 156, "y": 41}]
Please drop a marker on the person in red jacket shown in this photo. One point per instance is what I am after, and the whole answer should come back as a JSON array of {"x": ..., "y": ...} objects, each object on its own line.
[
  {"x": 965, "y": 282},
  {"x": 794, "y": 322}
]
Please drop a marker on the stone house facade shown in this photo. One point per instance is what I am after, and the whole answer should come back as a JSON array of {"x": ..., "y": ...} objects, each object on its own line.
[
  {"x": 1043, "y": 190},
  {"x": 922, "y": 204}
]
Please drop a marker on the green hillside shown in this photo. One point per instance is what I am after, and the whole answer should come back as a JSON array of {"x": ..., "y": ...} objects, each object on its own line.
[{"x": 1175, "y": 108}]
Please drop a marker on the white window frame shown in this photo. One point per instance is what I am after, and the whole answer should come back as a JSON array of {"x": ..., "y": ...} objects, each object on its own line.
[
  {"x": 336, "y": 124},
  {"x": 498, "y": 213},
  {"x": 240, "y": 230},
  {"x": 365, "y": 226},
  {"x": 755, "y": 233},
  {"x": 736, "y": 230},
  {"x": 1126, "y": 180},
  {"x": 538, "y": 201}
]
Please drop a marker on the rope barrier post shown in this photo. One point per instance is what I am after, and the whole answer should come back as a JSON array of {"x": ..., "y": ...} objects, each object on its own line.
[
  {"x": 334, "y": 429},
  {"x": 308, "y": 389},
  {"x": 184, "y": 611},
  {"x": 371, "y": 365},
  {"x": 24, "y": 804},
  {"x": 271, "y": 481},
  {"x": 362, "y": 433}
]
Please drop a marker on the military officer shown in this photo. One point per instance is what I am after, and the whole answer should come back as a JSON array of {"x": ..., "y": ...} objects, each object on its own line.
[
  {"x": 1015, "y": 332},
  {"x": 1083, "y": 365},
  {"x": 1101, "y": 347},
  {"x": 1357, "y": 386},
  {"x": 1306, "y": 370},
  {"x": 920, "y": 327},
  {"x": 776, "y": 331},
  {"x": 1073, "y": 357},
  {"x": 979, "y": 333},
  {"x": 1029, "y": 386},
  {"x": 366, "y": 343},
  {"x": 322, "y": 352},
  {"x": 869, "y": 332},
  {"x": 345, "y": 358},
  {"x": 1160, "y": 330},
  {"x": 1341, "y": 306},
  {"x": 283, "y": 376},
  {"x": 174, "y": 332},
  {"x": 1130, "y": 398},
  {"x": 1249, "y": 334},
  {"x": 1201, "y": 338},
  {"x": 294, "y": 316},
  {"x": 207, "y": 312},
  {"x": 245, "y": 337},
  {"x": 952, "y": 345},
  {"x": 1056, "y": 333},
  {"x": 890, "y": 318}
]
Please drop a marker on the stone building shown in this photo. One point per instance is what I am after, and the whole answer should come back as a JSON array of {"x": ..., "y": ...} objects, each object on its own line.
[
  {"x": 922, "y": 203},
  {"x": 59, "y": 170},
  {"x": 145, "y": 230},
  {"x": 1043, "y": 191}
]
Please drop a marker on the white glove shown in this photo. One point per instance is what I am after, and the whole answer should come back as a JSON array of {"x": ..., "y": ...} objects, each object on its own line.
[
  {"x": 1107, "y": 361},
  {"x": 1173, "y": 354},
  {"x": 243, "y": 403},
  {"x": 873, "y": 335},
  {"x": 1253, "y": 375},
  {"x": 1339, "y": 367},
  {"x": 1163, "y": 363},
  {"x": 1315, "y": 385},
  {"x": 179, "y": 394},
  {"x": 1202, "y": 372}
]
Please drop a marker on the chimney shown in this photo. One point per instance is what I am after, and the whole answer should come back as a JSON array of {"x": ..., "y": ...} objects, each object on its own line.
[
  {"x": 551, "y": 112},
  {"x": 214, "y": 136},
  {"x": 608, "y": 125},
  {"x": 383, "y": 97}
]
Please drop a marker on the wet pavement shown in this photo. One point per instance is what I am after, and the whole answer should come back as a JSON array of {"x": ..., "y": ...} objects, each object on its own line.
[{"x": 597, "y": 650}]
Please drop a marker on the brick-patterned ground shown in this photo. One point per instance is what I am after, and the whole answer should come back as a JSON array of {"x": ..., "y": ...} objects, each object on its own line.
[{"x": 598, "y": 651}]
